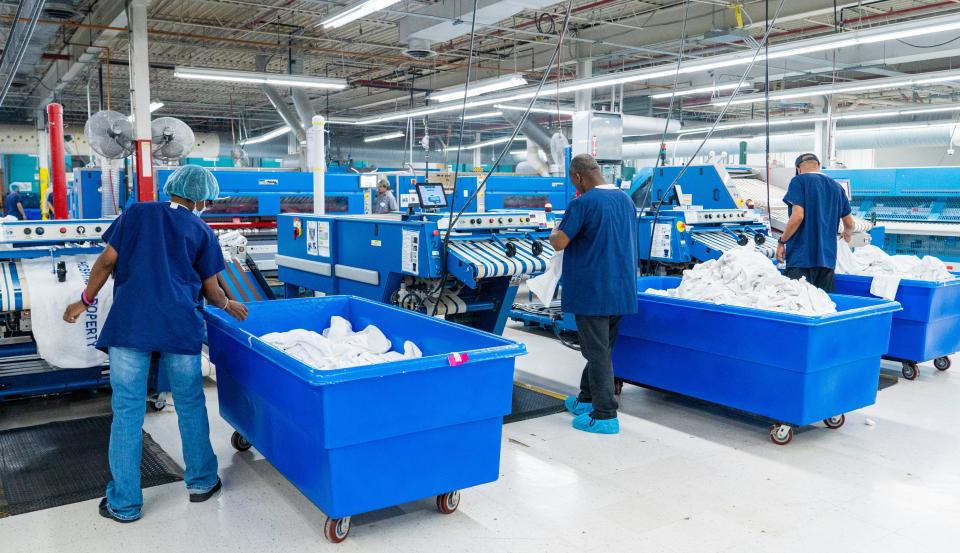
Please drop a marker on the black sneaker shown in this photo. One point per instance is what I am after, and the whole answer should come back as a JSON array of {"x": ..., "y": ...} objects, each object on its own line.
[
  {"x": 201, "y": 497},
  {"x": 105, "y": 513}
]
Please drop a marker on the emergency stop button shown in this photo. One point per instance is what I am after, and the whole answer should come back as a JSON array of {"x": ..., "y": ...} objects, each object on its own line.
[{"x": 63, "y": 230}]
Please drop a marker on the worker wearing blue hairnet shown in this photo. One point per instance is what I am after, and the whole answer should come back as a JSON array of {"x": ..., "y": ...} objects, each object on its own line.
[{"x": 163, "y": 258}]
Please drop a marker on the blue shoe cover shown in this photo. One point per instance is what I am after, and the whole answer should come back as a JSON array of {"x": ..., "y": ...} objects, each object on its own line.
[
  {"x": 576, "y": 407},
  {"x": 604, "y": 426}
]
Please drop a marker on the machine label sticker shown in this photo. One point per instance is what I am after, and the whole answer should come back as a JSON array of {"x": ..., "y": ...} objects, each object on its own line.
[
  {"x": 410, "y": 252},
  {"x": 661, "y": 239},
  {"x": 312, "y": 248},
  {"x": 323, "y": 238},
  {"x": 375, "y": 243}
]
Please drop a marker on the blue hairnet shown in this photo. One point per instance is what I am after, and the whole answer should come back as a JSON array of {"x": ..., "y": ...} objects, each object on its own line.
[{"x": 193, "y": 183}]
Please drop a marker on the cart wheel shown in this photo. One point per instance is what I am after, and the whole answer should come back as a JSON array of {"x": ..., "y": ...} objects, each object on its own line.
[
  {"x": 447, "y": 503},
  {"x": 910, "y": 370},
  {"x": 239, "y": 442},
  {"x": 157, "y": 404},
  {"x": 835, "y": 422},
  {"x": 781, "y": 434},
  {"x": 942, "y": 363},
  {"x": 336, "y": 529},
  {"x": 617, "y": 386}
]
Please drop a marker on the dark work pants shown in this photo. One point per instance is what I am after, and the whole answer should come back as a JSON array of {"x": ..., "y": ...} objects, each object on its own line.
[
  {"x": 597, "y": 336},
  {"x": 821, "y": 277}
]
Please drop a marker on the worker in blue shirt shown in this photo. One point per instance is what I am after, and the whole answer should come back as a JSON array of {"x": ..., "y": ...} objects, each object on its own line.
[
  {"x": 598, "y": 237},
  {"x": 817, "y": 205},
  {"x": 163, "y": 257},
  {"x": 13, "y": 205}
]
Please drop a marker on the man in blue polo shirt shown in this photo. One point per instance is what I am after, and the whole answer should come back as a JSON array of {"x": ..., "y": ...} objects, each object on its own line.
[
  {"x": 817, "y": 206},
  {"x": 598, "y": 236}
]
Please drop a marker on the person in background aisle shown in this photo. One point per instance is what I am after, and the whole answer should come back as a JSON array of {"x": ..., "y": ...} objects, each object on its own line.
[
  {"x": 384, "y": 202},
  {"x": 163, "y": 257},
  {"x": 12, "y": 204},
  {"x": 49, "y": 204},
  {"x": 598, "y": 237},
  {"x": 817, "y": 205}
]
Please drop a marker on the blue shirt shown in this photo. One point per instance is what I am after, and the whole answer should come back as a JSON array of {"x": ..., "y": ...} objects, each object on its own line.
[
  {"x": 600, "y": 263},
  {"x": 824, "y": 203},
  {"x": 163, "y": 256},
  {"x": 13, "y": 199}
]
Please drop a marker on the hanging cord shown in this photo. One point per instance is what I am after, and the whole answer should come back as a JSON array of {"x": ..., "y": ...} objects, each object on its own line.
[
  {"x": 506, "y": 148},
  {"x": 713, "y": 127},
  {"x": 766, "y": 100}
]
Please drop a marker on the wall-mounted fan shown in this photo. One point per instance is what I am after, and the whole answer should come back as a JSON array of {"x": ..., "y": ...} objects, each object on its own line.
[
  {"x": 110, "y": 134},
  {"x": 172, "y": 138}
]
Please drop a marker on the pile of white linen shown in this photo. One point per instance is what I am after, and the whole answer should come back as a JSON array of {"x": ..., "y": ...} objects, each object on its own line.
[
  {"x": 339, "y": 346},
  {"x": 744, "y": 277},
  {"x": 872, "y": 261}
]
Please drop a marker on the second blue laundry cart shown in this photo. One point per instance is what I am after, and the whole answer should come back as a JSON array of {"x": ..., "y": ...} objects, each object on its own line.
[
  {"x": 793, "y": 369},
  {"x": 363, "y": 438}
]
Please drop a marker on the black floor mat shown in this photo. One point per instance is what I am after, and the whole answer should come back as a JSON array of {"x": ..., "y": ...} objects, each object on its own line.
[
  {"x": 530, "y": 403},
  {"x": 65, "y": 462},
  {"x": 887, "y": 379}
]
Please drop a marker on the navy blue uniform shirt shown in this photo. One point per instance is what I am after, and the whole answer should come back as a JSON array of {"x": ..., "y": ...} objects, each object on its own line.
[
  {"x": 163, "y": 256},
  {"x": 600, "y": 263},
  {"x": 13, "y": 199},
  {"x": 824, "y": 203}
]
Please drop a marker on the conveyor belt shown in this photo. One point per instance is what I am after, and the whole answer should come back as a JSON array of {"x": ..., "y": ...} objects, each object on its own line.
[
  {"x": 721, "y": 241},
  {"x": 489, "y": 259},
  {"x": 12, "y": 297}
]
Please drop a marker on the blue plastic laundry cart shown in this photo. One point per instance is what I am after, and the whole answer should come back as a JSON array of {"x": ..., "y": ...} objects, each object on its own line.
[
  {"x": 793, "y": 369},
  {"x": 927, "y": 328},
  {"x": 364, "y": 438}
]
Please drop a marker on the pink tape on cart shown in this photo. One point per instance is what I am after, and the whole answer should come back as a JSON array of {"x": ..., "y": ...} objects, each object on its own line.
[{"x": 457, "y": 359}]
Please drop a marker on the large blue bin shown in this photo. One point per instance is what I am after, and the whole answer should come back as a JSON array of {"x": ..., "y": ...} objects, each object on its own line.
[
  {"x": 790, "y": 368},
  {"x": 929, "y": 325},
  {"x": 364, "y": 438}
]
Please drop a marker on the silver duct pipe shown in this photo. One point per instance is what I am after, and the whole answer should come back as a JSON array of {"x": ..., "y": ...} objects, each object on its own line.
[
  {"x": 18, "y": 39},
  {"x": 304, "y": 109},
  {"x": 531, "y": 130},
  {"x": 284, "y": 110}
]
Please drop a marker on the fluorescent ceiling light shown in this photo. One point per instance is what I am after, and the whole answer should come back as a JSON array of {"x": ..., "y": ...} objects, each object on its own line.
[
  {"x": 280, "y": 131},
  {"x": 258, "y": 77},
  {"x": 700, "y": 90},
  {"x": 850, "y": 116},
  {"x": 535, "y": 109},
  {"x": 385, "y": 136},
  {"x": 484, "y": 144},
  {"x": 859, "y": 86},
  {"x": 356, "y": 11},
  {"x": 477, "y": 88},
  {"x": 483, "y": 115}
]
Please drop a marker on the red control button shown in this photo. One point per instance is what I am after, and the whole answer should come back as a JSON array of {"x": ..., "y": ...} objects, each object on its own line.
[
  {"x": 491, "y": 220},
  {"x": 63, "y": 230},
  {"x": 436, "y": 233}
]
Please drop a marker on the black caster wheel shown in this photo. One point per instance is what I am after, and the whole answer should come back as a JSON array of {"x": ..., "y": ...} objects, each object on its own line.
[
  {"x": 835, "y": 422},
  {"x": 157, "y": 404},
  {"x": 447, "y": 503},
  {"x": 910, "y": 370},
  {"x": 942, "y": 363},
  {"x": 537, "y": 248},
  {"x": 759, "y": 239},
  {"x": 239, "y": 442},
  {"x": 510, "y": 249},
  {"x": 781, "y": 434},
  {"x": 335, "y": 530}
]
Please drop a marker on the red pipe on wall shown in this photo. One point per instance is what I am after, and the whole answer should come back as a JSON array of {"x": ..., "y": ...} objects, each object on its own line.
[{"x": 58, "y": 163}]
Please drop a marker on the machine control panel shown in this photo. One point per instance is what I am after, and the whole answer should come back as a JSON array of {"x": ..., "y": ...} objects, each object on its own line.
[
  {"x": 498, "y": 220},
  {"x": 719, "y": 216},
  {"x": 86, "y": 230}
]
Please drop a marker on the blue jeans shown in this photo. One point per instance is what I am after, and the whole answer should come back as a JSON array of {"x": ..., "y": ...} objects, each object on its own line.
[{"x": 129, "y": 369}]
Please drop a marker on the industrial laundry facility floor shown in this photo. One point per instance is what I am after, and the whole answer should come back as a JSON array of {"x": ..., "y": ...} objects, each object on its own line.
[{"x": 679, "y": 478}]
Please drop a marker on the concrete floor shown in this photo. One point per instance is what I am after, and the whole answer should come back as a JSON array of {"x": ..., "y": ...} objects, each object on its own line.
[{"x": 679, "y": 478}]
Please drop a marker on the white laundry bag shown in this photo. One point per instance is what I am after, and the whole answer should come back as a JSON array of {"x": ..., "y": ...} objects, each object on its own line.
[
  {"x": 62, "y": 344},
  {"x": 544, "y": 286}
]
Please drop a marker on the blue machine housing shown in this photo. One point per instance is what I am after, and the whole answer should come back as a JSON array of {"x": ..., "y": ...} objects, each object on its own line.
[
  {"x": 919, "y": 207},
  {"x": 246, "y": 193},
  {"x": 84, "y": 194},
  {"x": 526, "y": 192},
  {"x": 398, "y": 260}
]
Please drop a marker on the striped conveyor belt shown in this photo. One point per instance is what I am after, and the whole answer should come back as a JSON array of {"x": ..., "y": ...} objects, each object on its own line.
[
  {"x": 12, "y": 296},
  {"x": 722, "y": 242},
  {"x": 489, "y": 258},
  {"x": 239, "y": 284}
]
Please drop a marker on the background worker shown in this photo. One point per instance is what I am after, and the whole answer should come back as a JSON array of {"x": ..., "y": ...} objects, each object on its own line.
[
  {"x": 48, "y": 206},
  {"x": 598, "y": 239},
  {"x": 384, "y": 202},
  {"x": 817, "y": 205},
  {"x": 12, "y": 204},
  {"x": 162, "y": 257}
]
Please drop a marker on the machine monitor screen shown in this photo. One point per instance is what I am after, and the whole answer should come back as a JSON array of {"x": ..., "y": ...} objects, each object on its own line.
[{"x": 431, "y": 195}]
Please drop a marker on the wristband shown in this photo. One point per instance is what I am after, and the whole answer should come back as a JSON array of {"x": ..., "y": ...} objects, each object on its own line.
[{"x": 84, "y": 300}]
